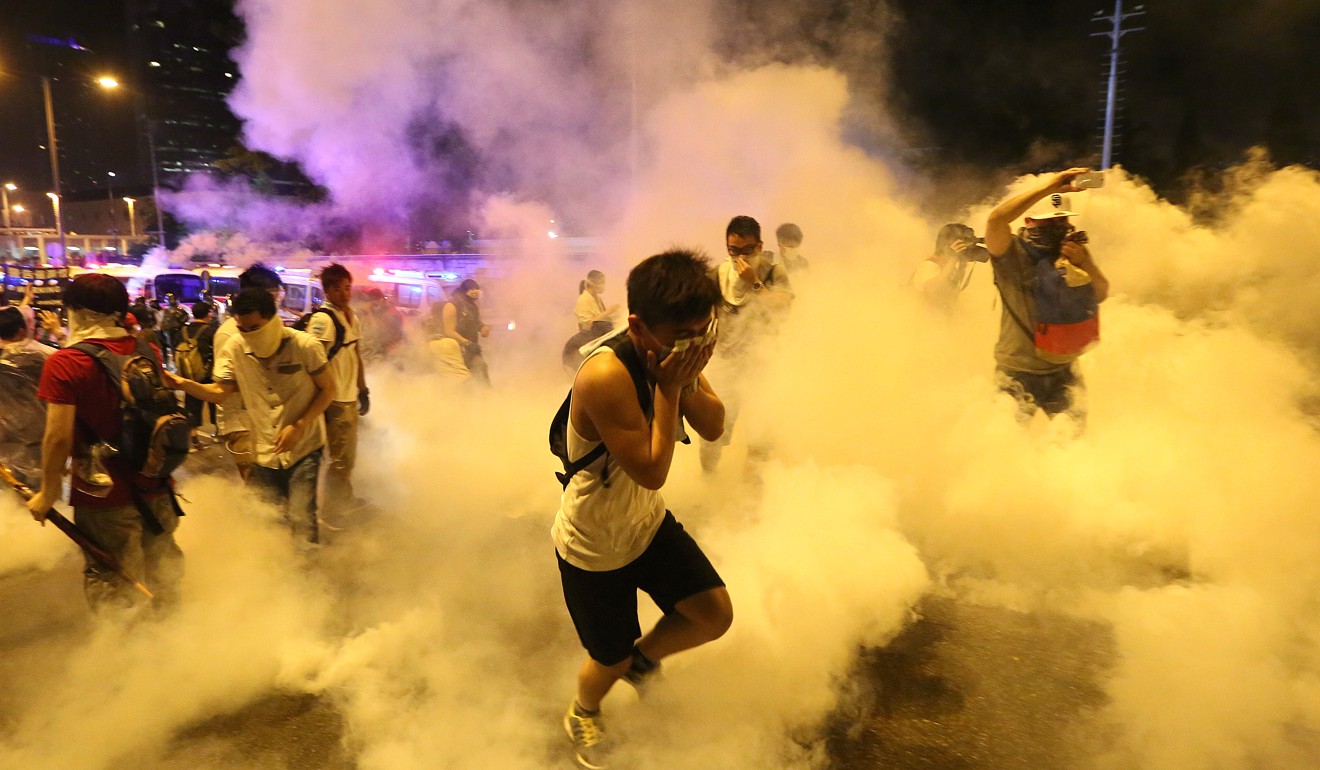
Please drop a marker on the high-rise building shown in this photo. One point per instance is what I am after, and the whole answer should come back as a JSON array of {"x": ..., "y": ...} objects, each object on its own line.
[{"x": 179, "y": 57}]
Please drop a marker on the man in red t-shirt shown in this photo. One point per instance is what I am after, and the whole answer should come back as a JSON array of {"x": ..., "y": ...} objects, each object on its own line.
[{"x": 111, "y": 503}]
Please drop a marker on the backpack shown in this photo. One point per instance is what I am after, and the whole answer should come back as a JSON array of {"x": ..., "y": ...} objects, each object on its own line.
[
  {"x": 623, "y": 348},
  {"x": 1067, "y": 318},
  {"x": 306, "y": 320},
  {"x": 188, "y": 359},
  {"x": 154, "y": 434}
]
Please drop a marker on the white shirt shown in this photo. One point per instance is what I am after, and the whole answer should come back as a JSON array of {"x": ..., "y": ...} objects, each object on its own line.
[
  {"x": 230, "y": 417},
  {"x": 587, "y": 308},
  {"x": 344, "y": 366},
  {"x": 601, "y": 528},
  {"x": 276, "y": 391}
]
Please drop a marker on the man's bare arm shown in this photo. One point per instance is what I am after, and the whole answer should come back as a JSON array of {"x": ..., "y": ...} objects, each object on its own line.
[
  {"x": 998, "y": 235},
  {"x": 607, "y": 396},
  {"x": 703, "y": 410},
  {"x": 214, "y": 392},
  {"x": 56, "y": 445}
]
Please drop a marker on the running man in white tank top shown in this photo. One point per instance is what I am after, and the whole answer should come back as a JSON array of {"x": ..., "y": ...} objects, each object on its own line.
[{"x": 612, "y": 534}]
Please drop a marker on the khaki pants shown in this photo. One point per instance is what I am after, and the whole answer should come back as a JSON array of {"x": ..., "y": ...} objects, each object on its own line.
[
  {"x": 341, "y": 424},
  {"x": 154, "y": 559}
]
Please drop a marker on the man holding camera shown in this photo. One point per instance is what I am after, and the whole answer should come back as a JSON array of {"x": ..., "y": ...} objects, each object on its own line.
[
  {"x": 1022, "y": 370},
  {"x": 942, "y": 276}
]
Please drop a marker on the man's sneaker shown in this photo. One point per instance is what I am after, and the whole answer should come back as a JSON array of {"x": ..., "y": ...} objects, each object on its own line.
[
  {"x": 587, "y": 731},
  {"x": 642, "y": 672}
]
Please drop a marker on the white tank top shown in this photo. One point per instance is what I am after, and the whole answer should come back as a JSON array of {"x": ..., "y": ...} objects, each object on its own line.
[{"x": 600, "y": 527}]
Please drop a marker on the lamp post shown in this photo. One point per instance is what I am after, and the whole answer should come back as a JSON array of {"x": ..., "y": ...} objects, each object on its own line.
[
  {"x": 104, "y": 82},
  {"x": 4, "y": 191},
  {"x": 54, "y": 160},
  {"x": 132, "y": 220},
  {"x": 55, "y": 204}
]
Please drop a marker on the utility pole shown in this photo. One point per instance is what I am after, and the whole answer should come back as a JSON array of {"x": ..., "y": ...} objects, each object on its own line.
[{"x": 1115, "y": 34}]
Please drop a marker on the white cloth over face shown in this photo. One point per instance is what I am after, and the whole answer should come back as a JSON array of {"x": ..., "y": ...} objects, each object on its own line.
[{"x": 90, "y": 325}]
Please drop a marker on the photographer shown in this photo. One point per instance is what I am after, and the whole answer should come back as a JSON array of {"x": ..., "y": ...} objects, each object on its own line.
[
  {"x": 942, "y": 276},
  {"x": 1047, "y": 251}
]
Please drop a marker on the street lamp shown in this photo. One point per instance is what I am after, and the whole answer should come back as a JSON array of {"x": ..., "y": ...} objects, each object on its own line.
[
  {"x": 4, "y": 191},
  {"x": 132, "y": 221},
  {"x": 104, "y": 82}
]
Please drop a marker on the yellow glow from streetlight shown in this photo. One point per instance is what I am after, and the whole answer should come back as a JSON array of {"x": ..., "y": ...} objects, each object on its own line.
[
  {"x": 52, "y": 196},
  {"x": 105, "y": 81},
  {"x": 10, "y": 186},
  {"x": 18, "y": 208},
  {"x": 128, "y": 199}
]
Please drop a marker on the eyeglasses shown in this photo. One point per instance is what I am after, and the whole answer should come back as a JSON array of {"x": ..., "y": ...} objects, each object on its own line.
[{"x": 745, "y": 251}]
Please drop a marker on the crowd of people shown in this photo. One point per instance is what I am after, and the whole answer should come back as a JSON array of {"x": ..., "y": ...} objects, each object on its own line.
[{"x": 289, "y": 401}]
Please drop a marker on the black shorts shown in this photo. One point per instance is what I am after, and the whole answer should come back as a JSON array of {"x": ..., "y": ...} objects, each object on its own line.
[{"x": 604, "y": 604}]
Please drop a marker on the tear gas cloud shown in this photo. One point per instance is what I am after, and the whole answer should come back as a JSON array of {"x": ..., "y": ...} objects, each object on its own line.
[{"x": 438, "y": 628}]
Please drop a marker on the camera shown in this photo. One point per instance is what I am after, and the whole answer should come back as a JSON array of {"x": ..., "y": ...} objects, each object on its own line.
[
  {"x": 975, "y": 251},
  {"x": 1078, "y": 236}
]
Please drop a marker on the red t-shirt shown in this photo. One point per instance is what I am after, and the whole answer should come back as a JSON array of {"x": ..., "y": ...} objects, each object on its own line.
[{"x": 73, "y": 377}]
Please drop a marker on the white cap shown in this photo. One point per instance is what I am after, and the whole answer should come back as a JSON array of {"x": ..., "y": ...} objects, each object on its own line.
[{"x": 1054, "y": 206}]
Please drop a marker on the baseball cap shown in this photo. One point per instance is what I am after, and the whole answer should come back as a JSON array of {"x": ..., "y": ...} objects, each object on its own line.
[{"x": 1054, "y": 206}]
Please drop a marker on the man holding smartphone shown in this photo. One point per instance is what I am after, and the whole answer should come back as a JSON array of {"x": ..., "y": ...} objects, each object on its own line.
[{"x": 1052, "y": 386}]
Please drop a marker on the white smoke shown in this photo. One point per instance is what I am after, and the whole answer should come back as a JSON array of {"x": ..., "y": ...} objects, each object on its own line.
[{"x": 1183, "y": 518}]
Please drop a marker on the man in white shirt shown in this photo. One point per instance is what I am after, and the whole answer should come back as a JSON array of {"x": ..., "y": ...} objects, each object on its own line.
[
  {"x": 232, "y": 421},
  {"x": 286, "y": 385},
  {"x": 336, "y": 326}
]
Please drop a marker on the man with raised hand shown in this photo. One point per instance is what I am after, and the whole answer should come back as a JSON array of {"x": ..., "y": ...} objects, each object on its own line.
[
  {"x": 1035, "y": 381},
  {"x": 612, "y": 533}
]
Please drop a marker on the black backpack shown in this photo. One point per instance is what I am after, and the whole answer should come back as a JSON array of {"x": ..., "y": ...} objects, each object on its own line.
[
  {"x": 623, "y": 347},
  {"x": 154, "y": 436},
  {"x": 306, "y": 320}
]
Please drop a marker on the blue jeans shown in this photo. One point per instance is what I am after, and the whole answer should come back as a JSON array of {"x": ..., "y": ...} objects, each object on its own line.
[{"x": 294, "y": 490}]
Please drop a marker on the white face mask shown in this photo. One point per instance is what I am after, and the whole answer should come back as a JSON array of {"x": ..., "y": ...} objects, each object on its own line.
[
  {"x": 266, "y": 340},
  {"x": 789, "y": 252},
  {"x": 88, "y": 324}
]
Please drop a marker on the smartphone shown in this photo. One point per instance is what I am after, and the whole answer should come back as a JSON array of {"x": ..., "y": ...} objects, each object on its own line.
[{"x": 1090, "y": 180}]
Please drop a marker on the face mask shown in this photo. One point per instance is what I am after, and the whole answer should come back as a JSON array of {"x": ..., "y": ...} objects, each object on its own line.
[
  {"x": 88, "y": 324},
  {"x": 1048, "y": 235},
  {"x": 789, "y": 252},
  {"x": 266, "y": 340}
]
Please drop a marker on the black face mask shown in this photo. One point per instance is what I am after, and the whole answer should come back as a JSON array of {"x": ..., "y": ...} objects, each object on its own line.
[{"x": 1047, "y": 235}]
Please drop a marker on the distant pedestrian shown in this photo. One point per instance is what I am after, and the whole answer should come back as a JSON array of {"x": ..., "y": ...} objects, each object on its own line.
[{"x": 462, "y": 320}]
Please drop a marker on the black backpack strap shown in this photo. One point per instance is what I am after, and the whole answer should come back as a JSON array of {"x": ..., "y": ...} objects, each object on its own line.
[
  {"x": 571, "y": 469},
  {"x": 340, "y": 332},
  {"x": 109, "y": 361}
]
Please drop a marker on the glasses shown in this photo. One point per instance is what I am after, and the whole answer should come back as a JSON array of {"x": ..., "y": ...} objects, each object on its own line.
[{"x": 745, "y": 251}]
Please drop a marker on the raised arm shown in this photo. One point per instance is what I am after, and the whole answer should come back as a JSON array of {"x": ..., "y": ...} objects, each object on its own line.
[{"x": 998, "y": 235}]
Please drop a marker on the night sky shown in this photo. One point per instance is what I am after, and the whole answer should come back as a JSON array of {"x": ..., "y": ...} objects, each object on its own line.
[{"x": 976, "y": 91}]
